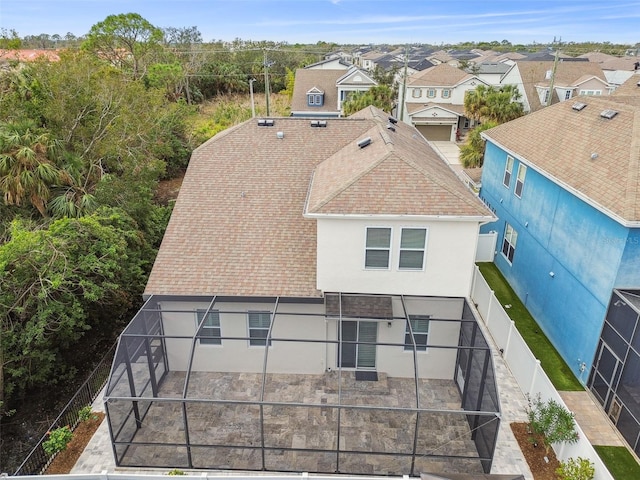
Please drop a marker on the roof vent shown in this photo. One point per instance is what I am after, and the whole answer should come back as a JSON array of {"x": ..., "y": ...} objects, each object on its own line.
[
  {"x": 265, "y": 122},
  {"x": 391, "y": 127},
  {"x": 578, "y": 106},
  {"x": 608, "y": 114},
  {"x": 319, "y": 123},
  {"x": 594, "y": 155},
  {"x": 364, "y": 142},
  {"x": 393, "y": 120},
  {"x": 280, "y": 135}
]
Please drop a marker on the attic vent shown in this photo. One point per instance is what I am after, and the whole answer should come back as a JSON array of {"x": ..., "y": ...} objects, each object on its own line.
[
  {"x": 364, "y": 142},
  {"x": 265, "y": 122},
  {"x": 578, "y": 106},
  {"x": 319, "y": 123},
  {"x": 393, "y": 120},
  {"x": 608, "y": 114}
]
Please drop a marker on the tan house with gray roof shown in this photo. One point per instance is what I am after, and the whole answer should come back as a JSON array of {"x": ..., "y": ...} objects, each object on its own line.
[
  {"x": 308, "y": 311},
  {"x": 434, "y": 101},
  {"x": 320, "y": 92}
]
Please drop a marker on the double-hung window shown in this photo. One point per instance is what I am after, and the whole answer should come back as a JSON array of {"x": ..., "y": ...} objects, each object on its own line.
[
  {"x": 431, "y": 93},
  {"x": 509, "y": 242},
  {"x": 259, "y": 323},
  {"x": 522, "y": 173},
  {"x": 508, "y": 170},
  {"x": 378, "y": 247},
  {"x": 412, "y": 247},
  {"x": 446, "y": 93},
  {"x": 416, "y": 93},
  {"x": 209, "y": 323},
  {"x": 420, "y": 330}
]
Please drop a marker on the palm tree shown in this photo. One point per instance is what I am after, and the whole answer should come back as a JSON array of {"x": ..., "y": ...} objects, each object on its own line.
[
  {"x": 73, "y": 196},
  {"x": 26, "y": 169},
  {"x": 472, "y": 152}
]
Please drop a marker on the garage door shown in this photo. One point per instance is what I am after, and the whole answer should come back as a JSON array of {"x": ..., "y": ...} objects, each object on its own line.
[{"x": 435, "y": 132}]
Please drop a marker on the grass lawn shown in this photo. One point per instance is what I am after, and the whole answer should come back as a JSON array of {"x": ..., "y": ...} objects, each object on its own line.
[
  {"x": 619, "y": 462},
  {"x": 554, "y": 366}
]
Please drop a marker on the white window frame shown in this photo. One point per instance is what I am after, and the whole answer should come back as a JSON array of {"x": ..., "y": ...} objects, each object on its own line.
[
  {"x": 420, "y": 334},
  {"x": 377, "y": 248},
  {"x": 411, "y": 249},
  {"x": 431, "y": 93},
  {"x": 509, "y": 243},
  {"x": 567, "y": 94},
  {"x": 508, "y": 171},
  {"x": 545, "y": 96},
  {"x": 210, "y": 338},
  {"x": 417, "y": 93},
  {"x": 258, "y": 341},
  {"x": 590, "y": 92},
  {"x": 522, "y": 169},
  {"x": 446, "y": 93}
]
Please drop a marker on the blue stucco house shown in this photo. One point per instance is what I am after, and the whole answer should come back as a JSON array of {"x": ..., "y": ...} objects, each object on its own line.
[{"x": 565, "y": 184}]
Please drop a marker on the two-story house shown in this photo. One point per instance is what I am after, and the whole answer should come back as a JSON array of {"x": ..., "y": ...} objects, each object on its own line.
[
  {"x": 565, "y": 184},
  {"x": 307, "y": 310},
  {"x": 319, "y": 91},
  {"x": 433, "y": 101},
  {"x": 541, "y": 82}
]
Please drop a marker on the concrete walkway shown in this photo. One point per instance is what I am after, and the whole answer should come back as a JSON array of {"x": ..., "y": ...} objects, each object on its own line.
[{"x": 592, "y": 419}]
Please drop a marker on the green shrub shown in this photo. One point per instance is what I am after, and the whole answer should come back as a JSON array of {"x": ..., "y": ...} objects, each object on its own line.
[
  {"x": 551, "y": 421},
  {"x": 576, "y": 469},
  {"x": 84, "y": 413},
  {"x": 58, "y": 440},
  {"x": 175, "y": 471}
]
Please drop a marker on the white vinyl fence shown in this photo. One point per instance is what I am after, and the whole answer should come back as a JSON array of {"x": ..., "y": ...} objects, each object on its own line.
[
  {"x": 526, "y": 368},
  {"x": 486, "y": 248}
]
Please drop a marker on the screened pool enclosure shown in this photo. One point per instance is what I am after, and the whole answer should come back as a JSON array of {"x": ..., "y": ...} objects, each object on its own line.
[{"x": 358, "y": 384}]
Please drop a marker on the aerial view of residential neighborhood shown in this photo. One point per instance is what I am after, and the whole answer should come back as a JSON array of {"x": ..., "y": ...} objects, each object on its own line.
[{"x": 329, "y": 239}]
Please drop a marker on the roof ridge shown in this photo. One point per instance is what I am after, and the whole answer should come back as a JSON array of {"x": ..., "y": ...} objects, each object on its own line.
[
  {"x": 353, "y": 180},
  {"x": 633, "y": 173}
]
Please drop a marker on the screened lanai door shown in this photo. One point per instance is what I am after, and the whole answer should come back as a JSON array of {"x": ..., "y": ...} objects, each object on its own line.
[{"x": 357, "y": 347}]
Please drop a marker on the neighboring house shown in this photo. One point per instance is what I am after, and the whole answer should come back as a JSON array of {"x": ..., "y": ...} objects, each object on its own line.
[
  {"x": 346, "y": 57},
  {"x": 25, "y": 55},
  {"x": 489, "y": 72},
  {"x": 334, "y": 63},
  {"x": 564, "y": 182},
  {"x": 434, "y": 101},
  {"x": 307, "y": 310},
  {"x": 536, "y": 79},
  {"x": 320, "y": 92},
  {"x": 369, "y": 59}
]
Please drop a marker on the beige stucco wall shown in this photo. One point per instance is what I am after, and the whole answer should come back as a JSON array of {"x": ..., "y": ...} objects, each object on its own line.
[
  {"x": 450, "y": 254},
  {"x": 311, "y": 358}
]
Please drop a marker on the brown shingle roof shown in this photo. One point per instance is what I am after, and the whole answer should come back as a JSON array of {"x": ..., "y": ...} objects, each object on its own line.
[
  {"x": 324, "y": 80},
  {"x": 629, "y": 87},
  {"x": 559, "y": 142},
  {"x": 238, "y": 226},
  {"x": 442, "y": 75},
  {"x": 567, "y": 73}
]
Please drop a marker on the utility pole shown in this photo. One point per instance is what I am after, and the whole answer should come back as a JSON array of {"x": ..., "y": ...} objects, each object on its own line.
[
  {"x": 253, "y": 105},
  {"x": 553, "y": 77},
  {"x": 266, "y": 79},
  {"x": 404, "y": 81}
]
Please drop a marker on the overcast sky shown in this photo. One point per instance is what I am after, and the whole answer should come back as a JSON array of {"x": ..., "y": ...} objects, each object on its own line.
[{"x": 346, "y": 21}]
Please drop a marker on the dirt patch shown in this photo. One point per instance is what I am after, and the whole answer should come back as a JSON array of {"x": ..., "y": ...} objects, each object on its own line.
[
  {"x": 65, "y": 460},
  {"x": 535, "y": 455},
  {"x": 167, "y": 190}
]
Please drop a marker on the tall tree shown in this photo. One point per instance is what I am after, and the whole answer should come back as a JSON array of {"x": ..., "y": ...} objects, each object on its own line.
[
  {"x": 126, "y": 41},
  {"x": 59, "y": 282},
  {"x": 472, "y": 152}
]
